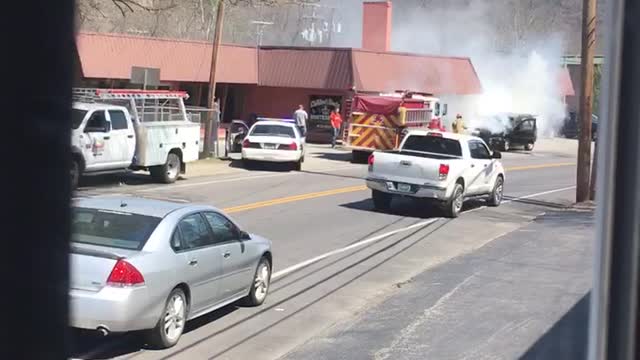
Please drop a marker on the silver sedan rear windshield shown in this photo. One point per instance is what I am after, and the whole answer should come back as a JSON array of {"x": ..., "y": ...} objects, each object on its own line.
[
  {"x": 111, "y": 228},
  {"x": 273, "y": 130}
]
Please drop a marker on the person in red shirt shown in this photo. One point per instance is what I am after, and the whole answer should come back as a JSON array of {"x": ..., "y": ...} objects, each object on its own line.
[
  {"x": 336, "y": 124},
  {"x": 436, "y": 124}
]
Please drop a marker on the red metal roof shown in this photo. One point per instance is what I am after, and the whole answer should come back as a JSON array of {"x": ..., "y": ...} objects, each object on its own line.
[
  {"x": 566, "y": 85},
  {"x": 111, "y": 56},
  {"x": 312, "y": 68},
  {"x": 381, "y": 72}
]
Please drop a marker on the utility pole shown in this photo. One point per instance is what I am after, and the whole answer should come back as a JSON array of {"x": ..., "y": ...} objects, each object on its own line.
[
  {"x": 586, "y": 99},
  {"x": 209, "y": 124},
  {"x": 594, "y": 172}
]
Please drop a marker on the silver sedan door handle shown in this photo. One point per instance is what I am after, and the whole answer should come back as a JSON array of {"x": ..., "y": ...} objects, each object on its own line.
[
  {"x": 193, "y": 262},
  {"x": 226, "y": 255},
  {"x": 473, "y": 165}
]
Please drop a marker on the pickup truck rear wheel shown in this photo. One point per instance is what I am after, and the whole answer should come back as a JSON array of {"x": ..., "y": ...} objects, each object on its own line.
[
  {"x": 495, "y": 198},
  {"x": 453, "y": 206},
  {"x": 169, "y": 172},
  {"x": 381, "y": 201}
]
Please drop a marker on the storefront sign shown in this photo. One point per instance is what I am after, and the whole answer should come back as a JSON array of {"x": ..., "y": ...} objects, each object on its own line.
[{"x": 320, "y": 107}]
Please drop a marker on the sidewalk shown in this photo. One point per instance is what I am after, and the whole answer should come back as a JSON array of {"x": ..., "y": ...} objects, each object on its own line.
[
  {"x": 318, "y": 157},
  {"x": 521, "y": 296}
]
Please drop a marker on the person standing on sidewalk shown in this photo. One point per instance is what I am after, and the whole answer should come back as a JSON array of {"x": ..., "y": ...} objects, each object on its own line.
[
  {"x": 336, "y": 124},
  {"x": 301, "y": 117}
]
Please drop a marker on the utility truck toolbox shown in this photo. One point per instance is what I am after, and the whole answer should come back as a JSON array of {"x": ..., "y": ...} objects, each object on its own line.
[
  {"x": 119, "y": 129},
  {"x": 441, "y": 167}
]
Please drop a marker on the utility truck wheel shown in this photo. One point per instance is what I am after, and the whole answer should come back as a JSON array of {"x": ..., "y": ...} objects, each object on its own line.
[
  {"x": 75, "y": 173},
  {"x": 169, "y": 172}
]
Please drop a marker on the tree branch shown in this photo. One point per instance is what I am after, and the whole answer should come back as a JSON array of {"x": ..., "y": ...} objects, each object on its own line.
[{"x": 130, "y": 4}]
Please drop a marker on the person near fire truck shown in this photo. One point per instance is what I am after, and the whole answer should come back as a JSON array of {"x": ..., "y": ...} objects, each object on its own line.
[
  {"x": 436, "y": 124},
  {"x": 336, "y": 124},
  {"x": 458, "y": 125}
]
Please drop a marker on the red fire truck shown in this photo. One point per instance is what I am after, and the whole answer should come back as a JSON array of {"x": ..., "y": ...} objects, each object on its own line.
[{"x": 378, "y": 122}]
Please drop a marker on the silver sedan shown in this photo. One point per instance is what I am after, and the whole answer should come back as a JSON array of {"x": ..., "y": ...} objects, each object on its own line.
[{"x": 140, "y": 264}]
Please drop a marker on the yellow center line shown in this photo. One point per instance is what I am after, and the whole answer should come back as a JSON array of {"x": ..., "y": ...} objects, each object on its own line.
[
  {"x": 538, "y": 166},
  {"x": 314, "y": 195},
  {"x": 289, "y": 199}
]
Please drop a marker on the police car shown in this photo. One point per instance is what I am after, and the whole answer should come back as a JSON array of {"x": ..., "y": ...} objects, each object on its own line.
[{"x": 274, "y": 140}]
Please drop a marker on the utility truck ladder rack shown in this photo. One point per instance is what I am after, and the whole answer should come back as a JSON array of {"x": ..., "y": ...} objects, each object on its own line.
[{"x": 144, "y": 105}]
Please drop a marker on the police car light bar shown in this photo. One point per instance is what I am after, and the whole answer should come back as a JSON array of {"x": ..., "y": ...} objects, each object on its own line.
[
  {"x": 276, "y": 119},
  {"x": 140, "y": 94}
]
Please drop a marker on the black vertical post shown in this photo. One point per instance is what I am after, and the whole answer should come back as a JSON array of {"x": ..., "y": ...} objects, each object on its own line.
[
  {"x": 614, "y": 307},
  {"x": 37, "y": 73}
]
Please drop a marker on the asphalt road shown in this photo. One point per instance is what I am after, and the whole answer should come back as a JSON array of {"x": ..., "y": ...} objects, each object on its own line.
[{"x": 334, "y": 257}]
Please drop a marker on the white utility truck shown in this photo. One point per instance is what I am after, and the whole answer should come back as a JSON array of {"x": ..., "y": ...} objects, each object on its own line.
[
  {"x": 442, "y": 167},
  {"x": 117, "y": 130}
]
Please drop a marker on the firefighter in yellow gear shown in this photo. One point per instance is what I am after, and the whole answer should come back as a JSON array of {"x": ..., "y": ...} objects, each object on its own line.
[{"x": 458, "y": 125}]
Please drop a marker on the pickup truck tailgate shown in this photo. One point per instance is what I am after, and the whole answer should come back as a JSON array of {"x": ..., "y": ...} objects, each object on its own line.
[{"x": 409, "y": 169}]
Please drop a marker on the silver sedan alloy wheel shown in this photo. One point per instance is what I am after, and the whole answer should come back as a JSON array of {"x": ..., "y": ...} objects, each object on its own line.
[
  {"x": 261, "y": 282},
  {"x": 174, "y": 318}
]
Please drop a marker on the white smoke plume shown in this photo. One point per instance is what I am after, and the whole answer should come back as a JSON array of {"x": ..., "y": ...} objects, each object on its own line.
[
  {"x": 521, "y": 76},
  {"x": 518, "y": 70}
]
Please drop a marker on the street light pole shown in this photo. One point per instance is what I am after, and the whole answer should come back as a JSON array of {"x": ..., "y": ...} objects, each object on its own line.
[
  {"x": 586, "y": 99},
  {"x": 208, "y": 136}
]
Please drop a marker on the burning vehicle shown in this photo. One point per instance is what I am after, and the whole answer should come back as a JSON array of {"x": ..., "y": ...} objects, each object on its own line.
[{"x": 504, "y": 131}]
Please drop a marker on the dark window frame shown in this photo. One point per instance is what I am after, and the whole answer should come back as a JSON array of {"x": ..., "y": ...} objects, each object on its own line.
[
  {"x": 95, "y": 113},
  {"x": 113, "y": 123},
  {"x": 183, "y": 247},
  {"x": 237, "y": 229},
  {"x": 478, "y": 144}
]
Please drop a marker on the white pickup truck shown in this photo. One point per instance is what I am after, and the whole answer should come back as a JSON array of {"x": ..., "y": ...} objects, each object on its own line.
[
  {"x": 444, "y": 167},
  {"x": 116, "y": 130}
]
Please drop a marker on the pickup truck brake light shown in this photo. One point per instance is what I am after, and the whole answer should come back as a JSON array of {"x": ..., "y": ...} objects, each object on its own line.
[
  {"x": 443, "y": 172},
  {"x": 434, "y": 133},
  {"x": 370, "y": 161}
]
